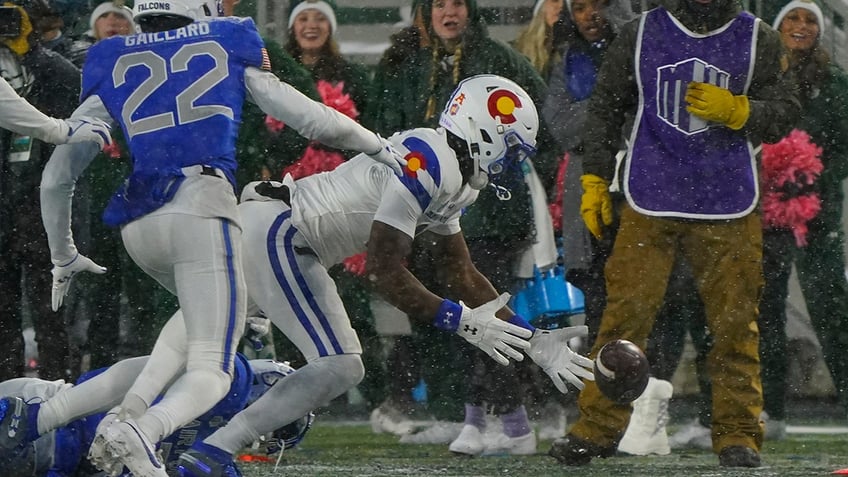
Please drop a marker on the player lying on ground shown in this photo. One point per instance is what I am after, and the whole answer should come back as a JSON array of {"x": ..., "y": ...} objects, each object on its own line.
[{"x": 60, "y": 452}]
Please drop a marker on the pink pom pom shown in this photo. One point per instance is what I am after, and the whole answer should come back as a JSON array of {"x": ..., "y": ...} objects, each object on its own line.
[
  {"x": 313, "y": 161},
  {"x": 335, "y": 97},
  {"x": 273, "y": 124},
  {"x": 789, "y": 168}
]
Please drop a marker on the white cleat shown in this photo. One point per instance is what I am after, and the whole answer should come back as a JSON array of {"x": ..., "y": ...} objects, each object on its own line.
[
  {"x": 501, "y": 444},
  {"x": 126, "y": 442},
  {"x": 469, "y": 442},
  {"x": 646, "y": 434},
  {"x": 98, "y": 454}
]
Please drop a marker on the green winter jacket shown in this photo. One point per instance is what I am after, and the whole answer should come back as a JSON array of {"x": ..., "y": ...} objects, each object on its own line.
[
  {"x": 402, "y": 90},
  {"x": 772, "y": 95}
]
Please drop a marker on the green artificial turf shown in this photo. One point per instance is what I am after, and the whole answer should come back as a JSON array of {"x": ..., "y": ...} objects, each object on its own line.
[{"x": 333, "y": 449}]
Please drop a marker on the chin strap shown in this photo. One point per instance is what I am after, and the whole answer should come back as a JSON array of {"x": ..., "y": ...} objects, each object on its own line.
[{"x": 502, "y": 192}]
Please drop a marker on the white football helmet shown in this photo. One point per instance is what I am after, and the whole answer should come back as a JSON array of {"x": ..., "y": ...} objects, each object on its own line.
[
  {"x": 192, "y": 9},
  {"x": 498, "y": 121}
]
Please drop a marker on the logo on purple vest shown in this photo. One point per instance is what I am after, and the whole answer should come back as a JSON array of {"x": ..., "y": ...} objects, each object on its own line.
[{"x": 672, "y": 81}]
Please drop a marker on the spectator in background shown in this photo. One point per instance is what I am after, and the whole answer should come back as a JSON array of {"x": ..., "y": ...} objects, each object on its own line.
[
  {"x": 583, "y": 34},
  {"x": 51, "y": 84},
  {"x": 264, "y": 148},
  {"x": 311, "y": 41},
  {"x": 50, "y": 27},
  {"x": 669, "y": 175},
  {"x": 823, "y": 92},
  {"x": 536, "y": 41},
  {"x": 343, "y": 85},
  {"x": 107, "y": 20},
  {"x": 820, "y": 263},
  {"x": 588, "y": 28},
  {"x": 497, "y": 231},
  {"x": 403, "y": 357},
  {"x": 802, "y": 220}
]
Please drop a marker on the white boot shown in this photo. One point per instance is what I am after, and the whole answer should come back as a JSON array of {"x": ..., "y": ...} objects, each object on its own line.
[
  {"x": 646, "y": 433},
  {"x": 469, "y": 441}
]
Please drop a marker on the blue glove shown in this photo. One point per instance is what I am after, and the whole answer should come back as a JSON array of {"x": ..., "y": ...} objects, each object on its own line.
[{"x": 580, "y": 74}]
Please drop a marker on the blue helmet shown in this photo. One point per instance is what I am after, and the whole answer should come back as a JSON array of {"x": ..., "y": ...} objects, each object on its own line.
[{"x": 266, "y": 373}]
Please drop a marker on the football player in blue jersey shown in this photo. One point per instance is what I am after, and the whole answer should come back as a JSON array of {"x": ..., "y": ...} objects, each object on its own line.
[
  {"x": 295, "y": 231},
  {"x": 177, "y": 89},
  {"x": 61, "y": 452}
]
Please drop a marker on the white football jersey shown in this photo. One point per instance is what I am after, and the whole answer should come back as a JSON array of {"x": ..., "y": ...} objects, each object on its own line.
[{"x": 334, "y": 210}]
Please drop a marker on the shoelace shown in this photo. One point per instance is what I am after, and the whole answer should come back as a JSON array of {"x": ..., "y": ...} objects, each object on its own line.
[{"x": 279, "y": 458}]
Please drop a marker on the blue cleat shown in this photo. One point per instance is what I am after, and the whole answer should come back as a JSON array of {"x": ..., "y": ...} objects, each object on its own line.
[
  {"x": 203, "y": 460},
  {"x": 17, "y": 423}
]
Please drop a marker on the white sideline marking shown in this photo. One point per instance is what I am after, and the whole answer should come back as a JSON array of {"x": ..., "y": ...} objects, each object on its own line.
[{"x": 817, "y": 430}]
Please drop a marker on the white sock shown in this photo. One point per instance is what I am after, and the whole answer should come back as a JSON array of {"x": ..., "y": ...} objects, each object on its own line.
[
  {"x": 98, "y": 394},
  {"x": 194, "y": 393}
]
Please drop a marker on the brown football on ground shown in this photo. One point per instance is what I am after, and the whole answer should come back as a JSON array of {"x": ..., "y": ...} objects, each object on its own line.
[{"x": 621, "y": 371}]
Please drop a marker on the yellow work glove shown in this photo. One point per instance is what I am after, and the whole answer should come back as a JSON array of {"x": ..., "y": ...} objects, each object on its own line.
[
  {"x": 712, "y": 103},
  {"x": 596, "y": 205},
  {"x": 20, "y": 44}
]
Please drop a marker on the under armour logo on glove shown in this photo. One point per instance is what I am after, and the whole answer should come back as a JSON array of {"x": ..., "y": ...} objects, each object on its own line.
[{"x": 497, "y": 338}]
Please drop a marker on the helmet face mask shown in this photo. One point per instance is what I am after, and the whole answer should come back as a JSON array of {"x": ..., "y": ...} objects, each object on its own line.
[
  {"x": 267, "y": 373},
  {"x": 498, "y": 121}
]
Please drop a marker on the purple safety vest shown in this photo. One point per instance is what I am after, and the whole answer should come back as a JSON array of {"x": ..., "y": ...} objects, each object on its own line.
[{"x": 679, "y": 165}]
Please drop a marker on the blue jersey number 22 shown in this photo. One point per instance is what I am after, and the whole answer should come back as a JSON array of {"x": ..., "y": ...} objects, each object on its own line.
[{"x": 186, "y": 110}]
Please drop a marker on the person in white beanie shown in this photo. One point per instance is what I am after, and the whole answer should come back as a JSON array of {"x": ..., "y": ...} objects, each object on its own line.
[
  {"x": 325, "y": 7},
  {"x": 820, "y": 262},
  {"x": 107, "y": 20},
  {"x": 808, "y": 5},
  {"x": 110, "y": 19},
  {"x": 344, "y": 85},
  {"x": 312, "y": 26}
]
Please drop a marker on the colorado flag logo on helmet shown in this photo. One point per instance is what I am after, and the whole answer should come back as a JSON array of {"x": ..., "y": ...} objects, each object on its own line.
[{"x": 502, "y": 103}]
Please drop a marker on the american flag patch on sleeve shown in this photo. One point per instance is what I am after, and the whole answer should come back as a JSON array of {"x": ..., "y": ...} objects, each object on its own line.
[{"x": 266, "y": 61}]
